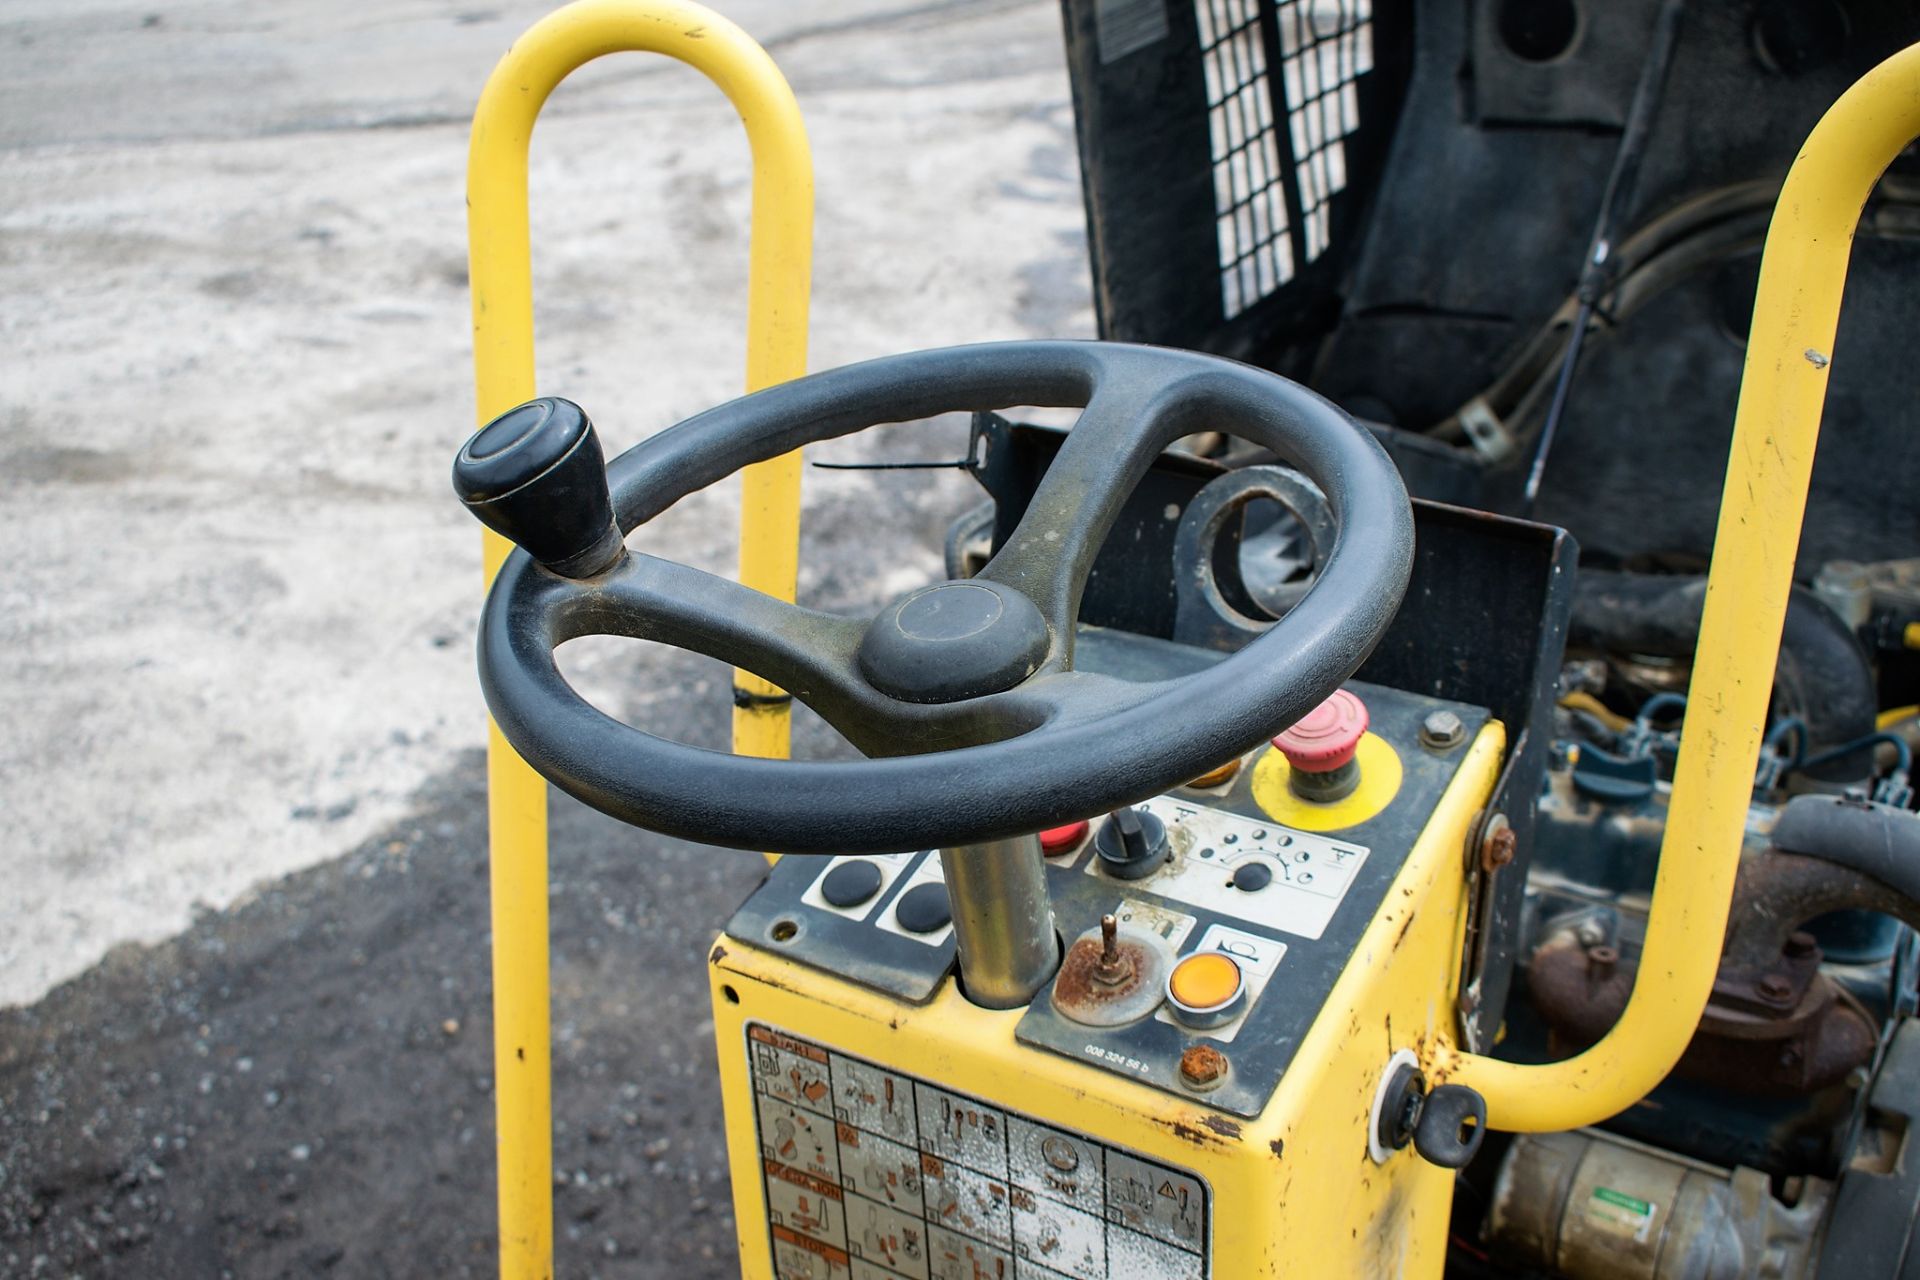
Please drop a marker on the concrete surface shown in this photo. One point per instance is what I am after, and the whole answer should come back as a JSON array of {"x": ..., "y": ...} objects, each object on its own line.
[
  {"x": 239, "y": 758},
  {"x": 237, "y": 602}
]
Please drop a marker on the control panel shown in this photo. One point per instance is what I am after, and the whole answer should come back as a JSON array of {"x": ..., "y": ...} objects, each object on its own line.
[
  {"x": 1250, "y": 868},
  {"x": 1202, "y": 929}
]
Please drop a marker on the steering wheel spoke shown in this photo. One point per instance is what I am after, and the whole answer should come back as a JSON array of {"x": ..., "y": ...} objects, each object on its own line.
[
  {"x": 1068, "y": 698},
  {"x": 804, "y": 651},
  {"x": 1125, "y": 426}
]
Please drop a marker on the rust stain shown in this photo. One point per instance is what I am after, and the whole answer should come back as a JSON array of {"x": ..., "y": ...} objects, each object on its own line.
[
  {"x": 718, "y": 954},
  {"x": 1279, "y": 1148},
  {"x": 1224, "y": 1127},
  {"x": 1081, "y": 988},
  {"x": 1208, "y": 1131},
  {"x": 1183, "y": 1130},
  {"x": 1401, "y": 936},
  {"x": 776, "y": 984}
]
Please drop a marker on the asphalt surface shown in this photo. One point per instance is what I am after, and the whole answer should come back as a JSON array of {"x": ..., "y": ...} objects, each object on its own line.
[
  {"x": 302, "y": 1085},
  {"x": 244, "y": 947}
]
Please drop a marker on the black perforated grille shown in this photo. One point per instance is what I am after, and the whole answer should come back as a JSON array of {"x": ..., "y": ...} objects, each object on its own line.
[
  {"x": 1323, "y": 48},
  {"x": 1326, "y": 47},
  {"x": 1256, "y": 254}
]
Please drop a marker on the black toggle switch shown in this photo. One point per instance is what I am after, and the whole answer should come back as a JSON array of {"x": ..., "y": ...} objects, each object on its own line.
[
  {"x": 1132, "y": 843},
  {"x": 536, "y": 476}
]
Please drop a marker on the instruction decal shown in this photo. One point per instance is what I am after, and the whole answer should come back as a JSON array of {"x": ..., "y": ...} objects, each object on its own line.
[{"x": 870, "y": 1174}]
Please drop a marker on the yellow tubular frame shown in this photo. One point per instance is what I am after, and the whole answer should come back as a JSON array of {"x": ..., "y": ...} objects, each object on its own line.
[
  {"x": 1777, "y": 424},
  {"x": 500, "y": 264}
]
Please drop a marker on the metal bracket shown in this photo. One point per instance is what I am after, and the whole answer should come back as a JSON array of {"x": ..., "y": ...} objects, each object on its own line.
[{"x": 1489, "y": 847}]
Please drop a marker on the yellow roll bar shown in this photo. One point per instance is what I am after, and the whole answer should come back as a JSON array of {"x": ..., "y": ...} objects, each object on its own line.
[
  {"x": 1789, "y": 358},
  {"x": 500, "y": 266}
]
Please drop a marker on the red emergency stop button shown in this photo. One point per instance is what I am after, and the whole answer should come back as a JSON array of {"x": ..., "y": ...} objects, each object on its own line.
[
  {"x": 1055, "y": 840},
  {"x": 1320, "y": 748},
  {"x": 1327, "y": 736}
]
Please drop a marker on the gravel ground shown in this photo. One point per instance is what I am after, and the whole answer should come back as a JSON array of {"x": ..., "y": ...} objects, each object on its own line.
[{"x": 302, "y": 1085}]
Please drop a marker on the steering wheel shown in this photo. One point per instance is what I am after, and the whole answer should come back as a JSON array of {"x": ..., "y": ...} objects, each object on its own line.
[{"x": 963, "y": 695}]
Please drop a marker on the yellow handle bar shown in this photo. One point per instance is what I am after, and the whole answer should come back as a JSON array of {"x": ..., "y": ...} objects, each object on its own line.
[
  {"x": 500, "y": 265},
  {"x": 1789, "y": 358}
]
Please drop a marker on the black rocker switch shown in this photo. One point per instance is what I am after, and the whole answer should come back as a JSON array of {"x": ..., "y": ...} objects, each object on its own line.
[{"x": 535, "y": 475}]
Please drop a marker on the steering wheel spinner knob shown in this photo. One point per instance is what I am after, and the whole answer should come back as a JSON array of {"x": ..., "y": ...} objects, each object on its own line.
[{"x": 536, "y": 476}]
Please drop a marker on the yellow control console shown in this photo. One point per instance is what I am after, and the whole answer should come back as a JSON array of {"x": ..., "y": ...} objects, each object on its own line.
[{"x": 881, "y": 1126}]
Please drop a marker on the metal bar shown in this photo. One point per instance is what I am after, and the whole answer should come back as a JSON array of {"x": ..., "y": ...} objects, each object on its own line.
[
  {"x": 1622, "y": 179},
  {"x": 500, "y": 265},
  {"x": 1002, "y": 921},
  {"x": 1789, "y": 360}
]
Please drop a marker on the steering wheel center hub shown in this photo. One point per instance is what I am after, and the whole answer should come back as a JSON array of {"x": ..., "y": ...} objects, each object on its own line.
[{"x": 954, "y": 640}]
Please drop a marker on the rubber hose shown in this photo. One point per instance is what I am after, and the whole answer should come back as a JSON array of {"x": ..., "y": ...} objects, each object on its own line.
[
  {"x": 1829, "y": 854},
  {"x": 1875, "y": 839}
]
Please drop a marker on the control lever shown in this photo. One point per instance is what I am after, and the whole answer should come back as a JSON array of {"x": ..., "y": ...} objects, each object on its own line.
[{"x": 536, "y": 476}]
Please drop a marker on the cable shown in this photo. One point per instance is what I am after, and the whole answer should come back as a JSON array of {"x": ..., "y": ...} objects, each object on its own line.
[
  {"x": 1656, "y": 704},
  {"x": 1798, "y": 728},
  {"x": 1580, "y": 700},
  {"x": 1898, "y": 743}
]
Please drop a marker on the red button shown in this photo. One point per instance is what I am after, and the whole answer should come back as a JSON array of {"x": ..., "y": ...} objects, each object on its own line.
[
  {"x": 1325, "y": 738},
  {"x": 1060, "y": 839}
]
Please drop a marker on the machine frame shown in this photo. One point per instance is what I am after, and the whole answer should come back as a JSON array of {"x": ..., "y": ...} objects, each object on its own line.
[{"x": 1788, "y": 365}]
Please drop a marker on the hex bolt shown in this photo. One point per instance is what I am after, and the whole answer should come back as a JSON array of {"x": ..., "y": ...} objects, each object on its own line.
[
  {"x": 1497, "y": 842},
  {"x": 1442, "y": 731},
  {"x": 1202, "y": 1066},
  {"x": 1774, "y": 988}
]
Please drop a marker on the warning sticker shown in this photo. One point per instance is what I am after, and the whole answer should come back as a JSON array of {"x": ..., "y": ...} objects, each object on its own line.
[
  {"x": 1628, "y": 1215},
  {"x": 874, "y": 1175}
]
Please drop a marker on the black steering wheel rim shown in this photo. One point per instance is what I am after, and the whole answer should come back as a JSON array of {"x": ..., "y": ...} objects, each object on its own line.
[{"x": 1061, "y": 745}]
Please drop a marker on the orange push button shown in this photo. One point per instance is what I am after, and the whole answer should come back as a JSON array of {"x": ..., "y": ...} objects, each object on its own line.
[
  {"x": 1206, "y": 989},
  {"x": 1216, "y": 777}
]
